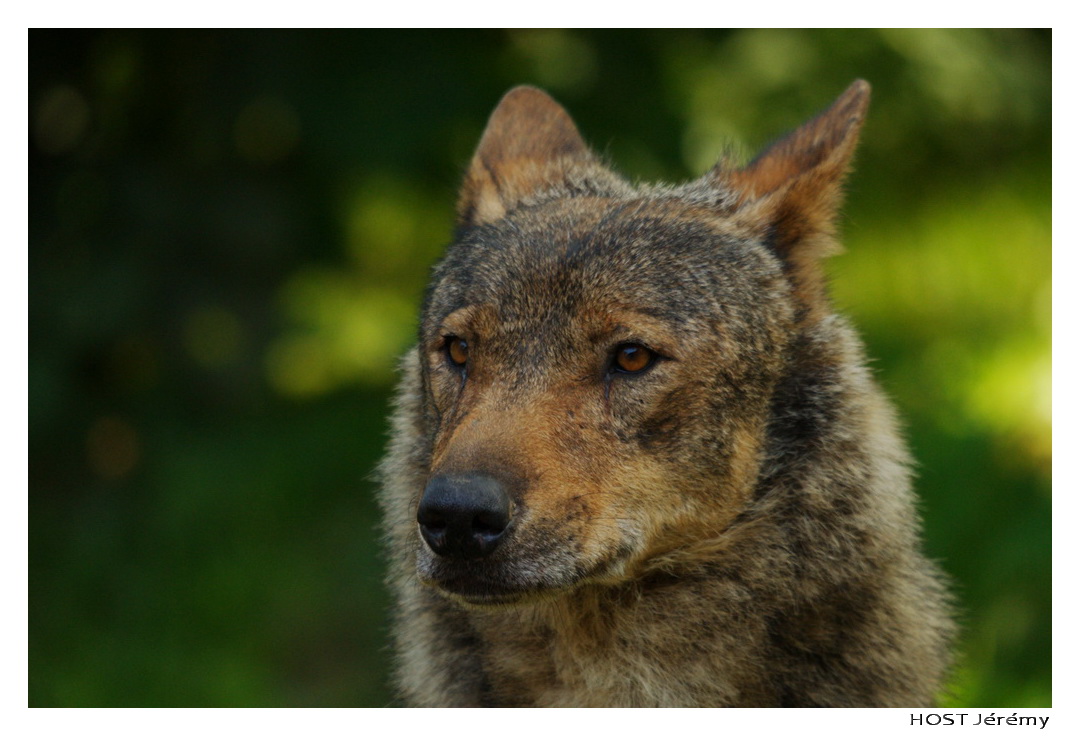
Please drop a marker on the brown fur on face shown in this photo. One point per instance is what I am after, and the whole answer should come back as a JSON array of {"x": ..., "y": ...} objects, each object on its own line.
[{"x": 732, "y": 525}]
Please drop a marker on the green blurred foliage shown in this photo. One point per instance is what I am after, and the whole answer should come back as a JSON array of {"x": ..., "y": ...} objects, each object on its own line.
[{"x": 229, "y": 236}]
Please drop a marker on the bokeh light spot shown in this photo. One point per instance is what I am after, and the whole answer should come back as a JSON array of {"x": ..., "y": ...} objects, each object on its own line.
[
  {"x": 112, "y": 448},
  {"x": 559, "y": 59},
  {"x": 61, "y": 120},
  {"x": 298, "y": 366}
]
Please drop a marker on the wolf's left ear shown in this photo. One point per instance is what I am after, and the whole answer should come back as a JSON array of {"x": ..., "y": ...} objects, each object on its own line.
[
  {"x": 794, "y": 187},
  {"x": 530, "y": 146}
]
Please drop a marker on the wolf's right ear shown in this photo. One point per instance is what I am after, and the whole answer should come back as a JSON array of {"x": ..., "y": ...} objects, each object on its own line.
[
  {"x": 792, "y": 191},
  {"x": 530, "y": 145}
]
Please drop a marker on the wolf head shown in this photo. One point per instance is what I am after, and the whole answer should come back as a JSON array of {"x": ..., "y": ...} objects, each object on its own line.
[{"x": 597, "y": 360}]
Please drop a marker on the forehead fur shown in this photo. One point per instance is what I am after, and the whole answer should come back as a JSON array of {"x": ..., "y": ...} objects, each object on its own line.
[{"x": 596, "y": 253}]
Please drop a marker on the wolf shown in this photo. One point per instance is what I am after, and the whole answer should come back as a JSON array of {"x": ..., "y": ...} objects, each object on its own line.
[{"x": 637, "y": 458}]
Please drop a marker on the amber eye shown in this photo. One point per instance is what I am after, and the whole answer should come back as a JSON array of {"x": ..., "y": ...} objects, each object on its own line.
[
  {"x": 457, "y": 350},
  {"x": 632, "y": 358}
]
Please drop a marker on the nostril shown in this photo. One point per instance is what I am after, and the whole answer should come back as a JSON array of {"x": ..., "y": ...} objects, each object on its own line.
[
  {"x": 430, "y": 517},
  {"x": 489, "y": 523}
]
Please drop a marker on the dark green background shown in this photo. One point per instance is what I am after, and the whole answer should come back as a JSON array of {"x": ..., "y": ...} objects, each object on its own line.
[{"x": 229, "y": 235}]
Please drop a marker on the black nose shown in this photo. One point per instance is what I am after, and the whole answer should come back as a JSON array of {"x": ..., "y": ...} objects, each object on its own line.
[{"x": 463, "y": 516}]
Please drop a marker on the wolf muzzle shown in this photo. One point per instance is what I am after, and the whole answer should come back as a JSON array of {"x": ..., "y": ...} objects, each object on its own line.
[{"x": 463, "y": 516}]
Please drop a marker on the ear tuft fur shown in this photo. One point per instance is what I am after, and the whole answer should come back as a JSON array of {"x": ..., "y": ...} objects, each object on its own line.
[
  {"x": 529, "y": 145},
  {"x": 823, "y": 145},
  {"x": 794, "y": 188}
]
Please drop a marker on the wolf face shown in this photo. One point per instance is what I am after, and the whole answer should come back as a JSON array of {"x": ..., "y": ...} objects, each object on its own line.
[
  {"x": 599, "y": 361},
  {"x": 636, "y": 459}
]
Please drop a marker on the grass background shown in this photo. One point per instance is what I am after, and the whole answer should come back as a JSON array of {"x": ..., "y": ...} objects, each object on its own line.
[{"x": 229, "y": 236}]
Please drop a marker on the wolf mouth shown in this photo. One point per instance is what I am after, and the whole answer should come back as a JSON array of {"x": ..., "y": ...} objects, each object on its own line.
[
  {"x": 486, "y": 586},
  {"x": 490, "y": 583},
  {"x": 480, "y": 592}
]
